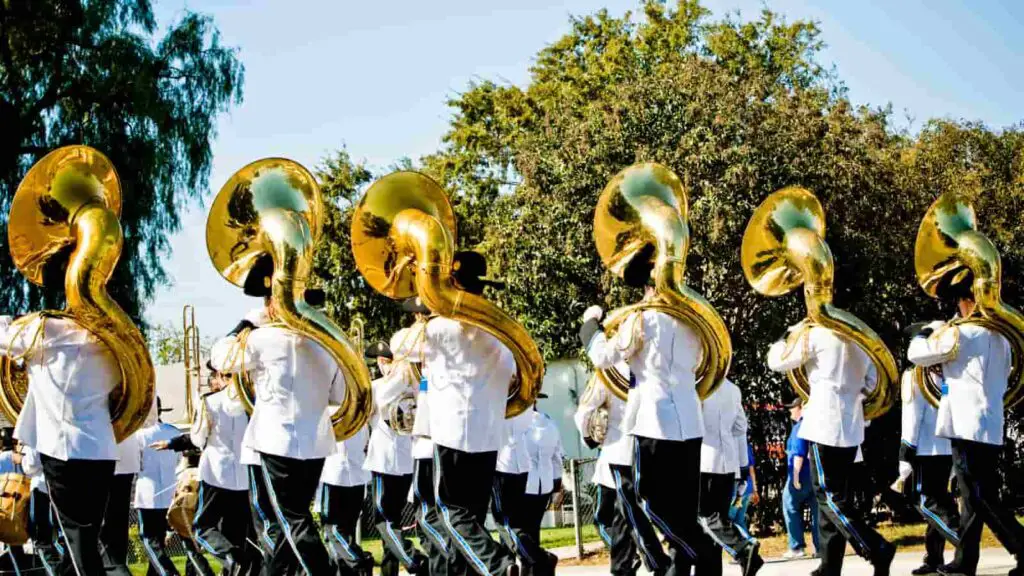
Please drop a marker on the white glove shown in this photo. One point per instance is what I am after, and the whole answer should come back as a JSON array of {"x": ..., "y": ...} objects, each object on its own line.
[
  {"x": 905, "y": 470},
  {"x": 593, "y": 313}
]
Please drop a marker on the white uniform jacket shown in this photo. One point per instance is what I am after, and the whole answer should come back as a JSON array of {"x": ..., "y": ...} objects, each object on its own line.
[
  {"x": 389, "y": 452},
  {"x": 154, "y": 486},
  {"x": 839, "y": 373},
  {"x": 663, "y": 355},
  {"x": 725, "y": 431},
  {"x": 919, "y": 419},
  {"x": 218, "y": 431},
  {"x": 71, "y": 373},
  {"x": 407, "y": 343},
  {"x": 470, "y": 372},
  {"x": 129, "y": 455},
  {"x": 345, "y": 466},
  {"x": 33, "y": 468},
  {"x": 618, "y": 446},
  {"x": 513, "y": 456},
  {"x": 544, "y": 445},
  {"x": 976, "y": 379},
  {"x": 295, "y": 380}
]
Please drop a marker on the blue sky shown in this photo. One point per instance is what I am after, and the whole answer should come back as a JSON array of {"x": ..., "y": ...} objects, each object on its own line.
[{"x": 374, "y": 77}]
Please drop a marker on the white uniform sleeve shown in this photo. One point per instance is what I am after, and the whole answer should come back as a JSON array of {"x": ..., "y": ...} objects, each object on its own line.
[
  {"x": 23, "y": 338},
  {"x": 870, "y": 377},
  {"x": 30, "y": 463},
  {"x": 934, "y": 349},
  {"x": 780, "y": 361},
  {"x": 227, "y": 355},
  {"x": 591, "y": 401},
  {"x": 913, "y": 410},
  {"x": 337, "y": 393},
  {"x": 411, "y": 344},
  {"x": 739, "y": 425},
  {"x": 202, "y": 425},
  {"x": 627, "y": 341},
  {"x": 557, "y": 456}
]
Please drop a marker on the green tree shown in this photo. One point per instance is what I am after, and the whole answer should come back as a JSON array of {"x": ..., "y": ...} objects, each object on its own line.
[
  {"x": 98, "y": 73},
  {"x": 167, "y": 344}
]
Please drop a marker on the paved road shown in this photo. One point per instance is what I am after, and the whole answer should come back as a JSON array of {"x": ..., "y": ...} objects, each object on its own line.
[{"x": 994, "y": 562}]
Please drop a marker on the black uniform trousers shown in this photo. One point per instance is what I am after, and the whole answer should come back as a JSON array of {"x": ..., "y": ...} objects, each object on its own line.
[
  {"x": 41, "y": 530},
  {"x": 613, "y": 527},
  {"x": 152, "y": 532},
  {"x": 643, "y": 534},
  {"x": 218, "y": 527},
  {"x": 78, "y": 493},
  {"x": 195, "y": 561},
  {"x": 340, "y": 507},
  {"x": 977, "y": 475},
  {"x": 935, "y": 504},
  {"x": 291, "y": 484},
  {"x": 838, "y": 520},
  {"x": 511, "y": 512},
  {"x": 428, "y": 520},
  {"x": 716, "y": 492},
  {"x": 265, "y": 526},
  {"x": 114, "y": 530},
  {"x": 462, "y": 482},
  {"x": 663, "y": 470},
  {"x": 534, "y": 508},
  {"x": 389, "y": 492}
]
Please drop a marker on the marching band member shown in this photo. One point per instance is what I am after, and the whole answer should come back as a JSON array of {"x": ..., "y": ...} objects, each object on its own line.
[
  {"x": 509, "y": 491},
  {"x": 928, "y": 458},
  {"x": 154, "y": 491},
  {"x": 114, "y": 530},
  {"x": 723, "y": 453},
  {"x": 389, "y": 459},
  {"x": 544, "y": 480},
  {"x": 976, "y": 364},
  {"x": 839, "y": 372},
  {"x": 663, "y": 413},
  {"x": 339, "y": 502},
  {"x": 290, "y": 428},
  {"x": 470, "y": 371},
  {"x": 428, "y": 520},
  {"x": 40, "y": 514},
  {"x": 70, "y": 371}
]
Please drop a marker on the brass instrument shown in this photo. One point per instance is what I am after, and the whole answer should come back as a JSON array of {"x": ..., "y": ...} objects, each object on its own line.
[
  {"x": 643, "y": 205},
  {"x": 274, "y": 206},
  {"x": 403, "y": 241},
  {"x": 784, "y": 247},
  {"x": 596, "y": 424},
  {"x": 949, "y": 245},
  {"x": 191, "y": 354},
  {"x": 72, "y": 198}
]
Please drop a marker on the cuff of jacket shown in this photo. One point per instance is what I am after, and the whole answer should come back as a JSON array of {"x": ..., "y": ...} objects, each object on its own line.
[
  {"x": 587, "y": 332},
  {"x": 590, "y": 442}
]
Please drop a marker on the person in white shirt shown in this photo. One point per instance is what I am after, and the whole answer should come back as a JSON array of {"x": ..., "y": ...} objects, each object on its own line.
[
  {"x": 976, "y": 363},
  {"x": 154, "y": 490},
  {"x": 428, "y": 519},
  {"x": 470, "y": 371},
  {"x": 620, "y": 521},
  {"x": 69, "y": 372},
  {"x": 389, "y": 459},
  {"x": 339, "y": 502},
  {"x": 40, "y": 514},
  {"x": 929, "y": 460},
  {"x": 663, "y": 414},
  {"x": 296, "y": 380},
  {"x": 508, "y": 493},
  {"x": 840, "y": 374},
  {"x": 723, "y": 453},
  {"x": 543, "y": 445}
]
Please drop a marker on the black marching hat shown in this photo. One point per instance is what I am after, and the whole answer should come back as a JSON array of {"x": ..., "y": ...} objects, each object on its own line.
[
  {"x": 956, "y": 284},
  {"x": 379, "y": 349},
  {"x": 469, "y": 269},
  {"x": 415, "y": 305},
  {"x": 160, "y": 406},
  {"x": 258, "y": 283},
  {"x": 637, "y": 272}
]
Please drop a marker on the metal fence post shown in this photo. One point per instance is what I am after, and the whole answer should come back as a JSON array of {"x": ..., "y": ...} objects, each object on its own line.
[{"x": 577, "y": 527}]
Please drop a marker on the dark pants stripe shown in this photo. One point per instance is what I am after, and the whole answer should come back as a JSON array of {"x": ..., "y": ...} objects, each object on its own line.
[
  {"x": 935, "y": 504},
  {"x": 291, "y": 484},
  {"x": 431, "y": 528},
  {"x": 340, "y": 508},
  {"x": 614, "y": 529},
  {"x": 389, "y": 493},
  {"x": 152, "y": 532},
  {"x": 716, "y": 492}
]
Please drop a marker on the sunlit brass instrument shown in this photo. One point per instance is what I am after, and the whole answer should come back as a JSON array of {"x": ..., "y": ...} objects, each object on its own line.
[
  {"x": 784, "y": 247},
  {"x": 191, "y": 355},
  {"x": 596, "y": 424},
  {"x": 949, "y": 245},
  {"x": 274, "y": 206},
  {"x": 642, "y": 205},
  {"x": 403, "y": 240},
  {"x": 72, "y": 197}
]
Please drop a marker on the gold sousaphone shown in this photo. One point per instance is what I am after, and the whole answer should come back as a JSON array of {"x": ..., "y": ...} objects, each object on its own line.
[
  {"x": 643, "y": 205},
  {"x": 274, "y": 206},
  {"x": 948, "y": 246},
  {"x": 403, "y": 241},
  {"x": 72, "y": 197},
  {"x": 784, "y": 247}
]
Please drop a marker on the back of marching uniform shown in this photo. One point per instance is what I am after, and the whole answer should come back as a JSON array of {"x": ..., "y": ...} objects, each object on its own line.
[
  {"x": 544, "y": 480},
  {"x": 839, "y": 373},
  {"x": 723, "y": 455},
  {"x": 663, "y": 416},
  {"x": 339, "y": 502},
  {"x": 508, "y": 493}
]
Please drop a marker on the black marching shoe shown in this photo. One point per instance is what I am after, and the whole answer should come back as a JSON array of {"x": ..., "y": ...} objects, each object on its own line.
[
  {"x": 925, "y": 570},
  {"x": 952, "y": 569},
  {"x": 754, "y": 562},
  {"x": 512, "y": 570},
  {"x": 885, "y": 557}
]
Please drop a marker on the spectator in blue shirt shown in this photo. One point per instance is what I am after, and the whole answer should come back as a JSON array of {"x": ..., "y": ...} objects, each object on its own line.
[
  {"x": 798, "y": 494},
  {"x": 746, "y": 493}
]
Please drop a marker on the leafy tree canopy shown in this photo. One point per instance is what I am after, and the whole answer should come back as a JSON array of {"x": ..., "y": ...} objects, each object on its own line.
[{"x": 97, "y": 73}]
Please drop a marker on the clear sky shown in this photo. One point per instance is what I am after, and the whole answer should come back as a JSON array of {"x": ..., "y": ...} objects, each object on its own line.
[{"x": 374, "y": 76}]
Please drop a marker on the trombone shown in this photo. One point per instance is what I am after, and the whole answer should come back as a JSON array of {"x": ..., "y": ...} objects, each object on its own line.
[{"x": 192, "y": 357}]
